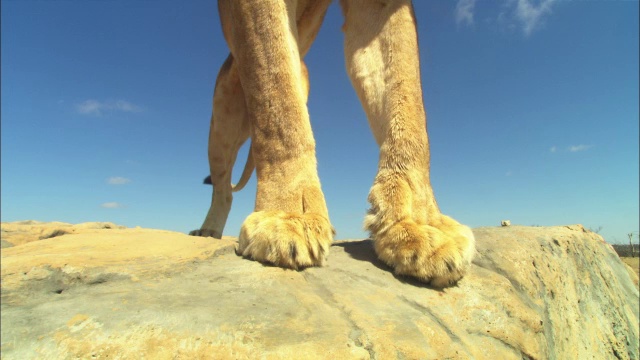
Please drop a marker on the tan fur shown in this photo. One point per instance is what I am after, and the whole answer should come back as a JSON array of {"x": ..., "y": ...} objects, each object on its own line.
[
  {"x": 261, "y": 92},
  {"x": 249, "y": 166}
]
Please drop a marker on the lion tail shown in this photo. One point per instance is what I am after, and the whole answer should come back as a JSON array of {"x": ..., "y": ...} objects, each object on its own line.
[{"x": 249, "y": 165}]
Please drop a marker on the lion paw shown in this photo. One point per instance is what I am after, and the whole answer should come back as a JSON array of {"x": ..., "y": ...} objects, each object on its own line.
[
  {"x": 438, "y": 254},
  {"x": 206, "y": 233},
  {"x": 286, "y": 240}
]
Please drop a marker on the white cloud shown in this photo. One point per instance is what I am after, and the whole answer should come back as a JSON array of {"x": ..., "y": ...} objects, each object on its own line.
[
  {"x": 126, "y": 106},
  {"x": 118, "y": 180},
  {"x": 525, "y": 15},
  {"x": 509, "y": 173},
  {"x": 464, "y": 12},
  {"x": 95, "y": 107},
  {"x": 89, "y": 107},
  {"x": 530, "y": 13},
  {"x": 577, "y": 148},
  {"x": 112, "y": 205},
  {"x": 553, "y": 149}
]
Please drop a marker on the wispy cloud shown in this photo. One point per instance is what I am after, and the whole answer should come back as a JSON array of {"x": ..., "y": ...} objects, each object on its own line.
[
  {"x": 522, "y": 15},
  {"x": 118, "y": 180},
  {"x": 95, "y": 107},
  {"x": 577, "y": 148},
  {"x": 89, "y": 107},
  {"x": 572, "y": 148},
  {"x": 464, "y": 12},
  {"x": 530, "y": 14},
  {"x": 112, "y": 205}
]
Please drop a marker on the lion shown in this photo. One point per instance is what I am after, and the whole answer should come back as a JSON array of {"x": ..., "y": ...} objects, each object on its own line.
[{"x": 261, "y": 92}]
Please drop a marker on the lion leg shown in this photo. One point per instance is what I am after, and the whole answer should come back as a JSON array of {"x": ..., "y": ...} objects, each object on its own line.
[
  {"x": 229, "y": 130},
  {"x": 409, "y": 232},
  {"x": 290, "y": 226}
]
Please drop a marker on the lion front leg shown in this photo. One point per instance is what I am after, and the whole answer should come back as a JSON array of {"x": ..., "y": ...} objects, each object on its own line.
[
  {"x": 290, "y": 226},
  {"x": 416, "y": 240},
  {"x": 409, "y": 232}
]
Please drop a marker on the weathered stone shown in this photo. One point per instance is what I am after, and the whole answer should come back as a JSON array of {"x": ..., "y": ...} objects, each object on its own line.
[
  {"x": 532, "y": 293},
  {"x": 21, "y": 232}
]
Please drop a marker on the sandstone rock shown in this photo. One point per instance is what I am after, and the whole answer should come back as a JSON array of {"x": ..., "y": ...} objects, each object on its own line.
[
  {"x": 532, "y": 293},
  {"x": 21, "y": 232},
  {"x": 633, "y": 273}
]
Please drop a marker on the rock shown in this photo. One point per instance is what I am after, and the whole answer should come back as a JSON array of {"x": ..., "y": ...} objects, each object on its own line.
[
  {"x": 21, "y": 232},
  {"x": 633, "y": 274},
  {"x": 505, "y": 223},
  {"x": 633, "y": 267},
  {"x": 532, "y": 293},
  {"x": 5, "y": 244}
]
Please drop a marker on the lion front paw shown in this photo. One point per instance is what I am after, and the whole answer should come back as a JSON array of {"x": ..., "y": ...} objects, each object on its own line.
[
  {"x": 287, "y": 240},
  {"x": 437, "y": 254}
]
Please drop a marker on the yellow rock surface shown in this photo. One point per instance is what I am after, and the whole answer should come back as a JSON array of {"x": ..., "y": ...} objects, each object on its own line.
[{"x": 96, "y": 292}]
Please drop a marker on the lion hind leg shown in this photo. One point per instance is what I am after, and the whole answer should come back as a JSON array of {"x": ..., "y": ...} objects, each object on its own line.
[
  {"x": 228, "y": 131},
  {"x": 409, "y": 232}
]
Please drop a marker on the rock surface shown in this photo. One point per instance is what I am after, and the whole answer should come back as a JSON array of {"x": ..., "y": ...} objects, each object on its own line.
[
  {"x": 22, "y": 232},
  {"x": 532, "y": 293}
]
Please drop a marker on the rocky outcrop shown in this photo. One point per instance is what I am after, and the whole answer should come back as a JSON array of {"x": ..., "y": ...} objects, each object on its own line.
[
  {"x": 532, "y": 293},
  {"x": 22, "y": 232}
]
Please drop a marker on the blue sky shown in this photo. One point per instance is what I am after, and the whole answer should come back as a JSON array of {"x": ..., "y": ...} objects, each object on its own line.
[{"x": 532, "y": 113}]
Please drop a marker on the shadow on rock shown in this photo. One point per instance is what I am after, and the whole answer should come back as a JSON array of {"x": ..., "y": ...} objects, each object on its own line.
[{"x": 363, "y": 250}]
